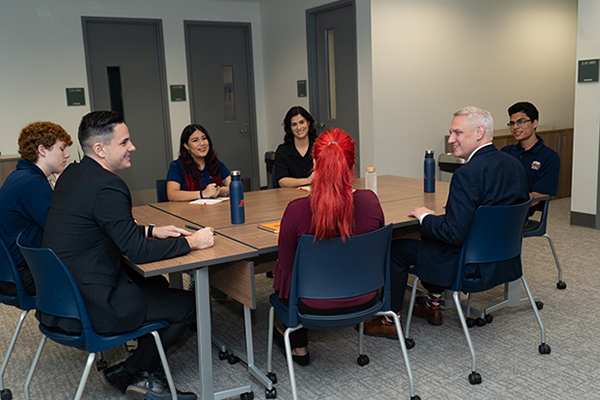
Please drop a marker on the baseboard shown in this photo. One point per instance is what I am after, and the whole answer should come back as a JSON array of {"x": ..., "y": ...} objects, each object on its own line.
[{"x": 583, "y": 219}]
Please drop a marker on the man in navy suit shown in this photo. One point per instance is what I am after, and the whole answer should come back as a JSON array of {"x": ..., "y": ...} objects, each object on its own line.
[{"x": 489, "y": 177}]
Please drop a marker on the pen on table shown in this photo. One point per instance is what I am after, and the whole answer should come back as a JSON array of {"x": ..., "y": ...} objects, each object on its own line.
[{"x": 192, "y": 227}]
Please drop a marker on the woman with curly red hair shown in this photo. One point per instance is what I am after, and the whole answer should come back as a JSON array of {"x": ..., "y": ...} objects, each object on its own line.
[
  {"x": 26, "y": 194},
  {"x": 333, "y": 209},
  {"x": 197, "y": 173}
]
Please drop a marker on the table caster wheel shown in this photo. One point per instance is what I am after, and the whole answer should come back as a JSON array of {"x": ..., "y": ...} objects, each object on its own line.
[
  {"x": 561, "y": 285},
  {"x": 100, "y": 365},
  {"x": 233, "y": 359},
  {"x": 474, "y": 378},
  {"x": 544, "y": 348},
  {"x": 6, "y": 394},
  {"x": 489, "y": 318},
  {"x": 223, "y": 355},
  {"x": 271, "y": 394},
  {"x": 470, "y": 322},
  {"x": 539, "y": 305},
  {"x": 480, "y": 322},
  {"x": 247, "y": 396},
  {"x": 362, "y": 360},
  {"x": 410, "y": 343}
]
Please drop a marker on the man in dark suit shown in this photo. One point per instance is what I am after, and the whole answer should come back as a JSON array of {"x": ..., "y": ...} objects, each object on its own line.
[
  {"x": 91, "y": 228},
  {"x": 490, "y": 177}
]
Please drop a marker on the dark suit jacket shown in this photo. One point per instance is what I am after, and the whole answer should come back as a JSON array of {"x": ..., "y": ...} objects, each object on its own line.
[
  {"x": 491, "y": 177},
  {"x": 90, "y": 227}
]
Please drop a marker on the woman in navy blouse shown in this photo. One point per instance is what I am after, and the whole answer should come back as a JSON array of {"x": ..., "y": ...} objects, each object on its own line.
[{"x": 197, "y": 173}]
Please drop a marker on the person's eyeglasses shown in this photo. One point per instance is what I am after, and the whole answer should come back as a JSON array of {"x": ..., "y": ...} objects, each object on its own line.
[{"x": 520, "y": 122}]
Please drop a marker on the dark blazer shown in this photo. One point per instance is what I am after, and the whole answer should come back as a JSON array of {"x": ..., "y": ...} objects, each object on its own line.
[
  {"x": 491, "y": 177},
  {"x": 90, "y": 227}
]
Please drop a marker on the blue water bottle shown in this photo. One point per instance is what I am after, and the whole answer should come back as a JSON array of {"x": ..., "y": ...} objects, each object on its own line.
[
  {"x": 429, "y": 172},
  {"x": 236, "y": 198}
]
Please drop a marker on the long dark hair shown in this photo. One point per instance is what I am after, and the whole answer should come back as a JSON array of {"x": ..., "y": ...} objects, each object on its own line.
[
  {"x": 192, "y": 175},
  {"x": 287, "y": 124}
]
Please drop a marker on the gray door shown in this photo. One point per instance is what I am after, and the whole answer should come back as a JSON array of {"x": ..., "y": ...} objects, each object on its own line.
[
  {"x": 125, "y": 62},
  {"x": 221, "y": 93},
  {"x": 333, "y": 74}
]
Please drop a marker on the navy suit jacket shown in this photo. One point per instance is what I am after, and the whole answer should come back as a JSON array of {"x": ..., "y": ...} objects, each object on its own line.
[
  {"x": 90, "y": 227},
  {"x": 491, "y": 177}
]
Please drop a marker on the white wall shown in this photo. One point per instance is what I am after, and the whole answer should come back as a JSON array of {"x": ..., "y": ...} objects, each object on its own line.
[
  {"x": 433, "y": 57},
  {"x": 42, "y": 54},
  {"x": 587, "y": 115}
]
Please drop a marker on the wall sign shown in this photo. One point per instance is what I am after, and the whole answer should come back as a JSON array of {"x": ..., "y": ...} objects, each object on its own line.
[
  {"x": 75, "y": 97},
  {"x": 177, "y": 92},
  {"x": 588, "y": 71}
]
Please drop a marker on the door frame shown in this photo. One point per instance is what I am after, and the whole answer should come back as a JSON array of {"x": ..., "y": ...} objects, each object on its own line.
[
  {"x": 157, "y": 24},
  {"x": 311, "y": 46},
  {"x": 252, "y": 124}
]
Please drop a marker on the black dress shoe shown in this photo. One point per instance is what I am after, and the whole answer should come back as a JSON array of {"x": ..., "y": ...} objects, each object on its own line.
[
  {"x": 153, "y": 386},
  {"x": 280, "y": 342},
  {"x": 116, "y": 377}
]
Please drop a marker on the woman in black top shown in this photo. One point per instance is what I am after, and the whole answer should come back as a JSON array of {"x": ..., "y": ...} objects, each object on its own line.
[{"x": 293, "y": 159}]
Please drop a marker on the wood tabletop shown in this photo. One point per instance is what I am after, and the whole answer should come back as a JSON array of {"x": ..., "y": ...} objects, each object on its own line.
[{"x": 225, "y": 249}]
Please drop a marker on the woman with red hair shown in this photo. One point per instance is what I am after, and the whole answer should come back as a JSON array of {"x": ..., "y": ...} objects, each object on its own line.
[{"x": 333, "y": 209}]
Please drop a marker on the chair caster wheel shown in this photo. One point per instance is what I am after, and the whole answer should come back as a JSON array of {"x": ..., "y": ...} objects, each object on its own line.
[
  {"x": 271, "y": 394},
  {"x": 100, "y": 365},
  {"x": 539, "y": 305},
  {"x": 561, "y": 285},
  {"x": 233, "y": 359},
  {"x": 480, "y": 322},
  {"x": 247, "y": 396},
  {"x": 223, "y": 355},
  {"x": 489, "y": 318},
  {"x": 415, "y": 398},
  {"x": 470, "y": 322},
  {"x": 362, "y": 360},
  {"x": 544, "y": 348},
  {"x": 272, "y": 377},
  {"x": 410, "y": 343},
  {"x": 6, "y": 394},
  {"x": 474, "y": 378}
]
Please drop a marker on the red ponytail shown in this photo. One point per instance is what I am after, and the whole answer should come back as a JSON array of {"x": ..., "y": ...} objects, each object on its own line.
[{"x": 331, "y": 198}]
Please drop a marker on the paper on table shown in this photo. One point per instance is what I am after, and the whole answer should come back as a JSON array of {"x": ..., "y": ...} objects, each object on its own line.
[
  {"x": 305, "y": 188},
  {"x": 209, "y": 202}
]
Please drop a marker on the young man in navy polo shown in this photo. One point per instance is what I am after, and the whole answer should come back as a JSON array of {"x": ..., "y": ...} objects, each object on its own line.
[{"x": 541, "y": 163}]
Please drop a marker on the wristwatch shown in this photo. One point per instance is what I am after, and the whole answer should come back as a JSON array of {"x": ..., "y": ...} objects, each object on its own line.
[{"x": 150, "y": 229}]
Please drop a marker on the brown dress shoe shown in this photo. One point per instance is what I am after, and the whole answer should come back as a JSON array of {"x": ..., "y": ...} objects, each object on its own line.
[
  {"x": 434, "y": 317},
  {"x": 377, "y": 328}
]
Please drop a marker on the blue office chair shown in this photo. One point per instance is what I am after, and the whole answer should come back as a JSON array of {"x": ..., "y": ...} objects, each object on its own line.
[
  {"x": 161, "y": 191},
  {"x": 59, "y": 296},
  {"x": 538, "y": 228},
  {"x": 22, "y": 300},
  {"x": 332, "y": 269},
  {"x": 496, "y": 234}
]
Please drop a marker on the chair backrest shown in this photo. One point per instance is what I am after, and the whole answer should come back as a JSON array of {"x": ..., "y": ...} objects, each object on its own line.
[
  {"x": 10, "y": 273},
  {"x": 332, "y": 269},
  {"x": 161, "y": 191},
  {"x": 59, "y": 295},
  {"x": 496, "y": 234},
  {"x": 274, "y": 182},
  {"x": 538, "y": 228}
]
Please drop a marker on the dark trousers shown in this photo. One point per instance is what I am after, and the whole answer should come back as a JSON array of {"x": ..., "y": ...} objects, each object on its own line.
[
  {"x": 9, "y": 288},
  {"x": 175, "y": 306},
  {"x": 404, "y": 255}
]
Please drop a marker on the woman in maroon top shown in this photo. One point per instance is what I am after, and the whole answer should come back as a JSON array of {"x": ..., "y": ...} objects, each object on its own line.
[{"x": 333, "y": 209}]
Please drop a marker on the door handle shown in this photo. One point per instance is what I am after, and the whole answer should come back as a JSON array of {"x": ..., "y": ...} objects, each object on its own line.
[
  {"x": 243, "y": 130},
  {"x": 321, "y": 125}
]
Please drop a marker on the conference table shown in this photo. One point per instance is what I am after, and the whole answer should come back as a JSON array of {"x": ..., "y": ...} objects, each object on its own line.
[{"x": 244, "y": 249}]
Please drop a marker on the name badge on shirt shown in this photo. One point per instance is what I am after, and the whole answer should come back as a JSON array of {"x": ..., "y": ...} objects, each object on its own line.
[{"x": 536, "y": 165}]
